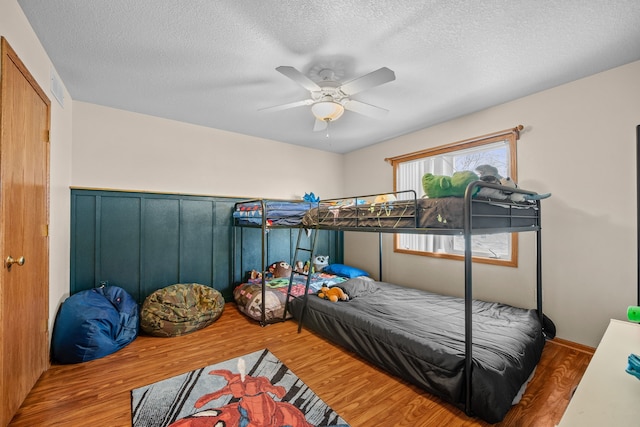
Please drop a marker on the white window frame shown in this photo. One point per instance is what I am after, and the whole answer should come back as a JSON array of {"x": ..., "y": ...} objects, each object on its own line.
[{"x": 440, "y": 161}]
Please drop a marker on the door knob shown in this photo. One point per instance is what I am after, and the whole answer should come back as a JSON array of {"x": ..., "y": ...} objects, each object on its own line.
[{"x": 10, "y": 261}]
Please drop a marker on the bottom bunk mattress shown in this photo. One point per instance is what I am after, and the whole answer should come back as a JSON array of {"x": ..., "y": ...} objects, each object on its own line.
[
  {"x": 248, "y": 296},
  {"x": 419, "y": 336}
]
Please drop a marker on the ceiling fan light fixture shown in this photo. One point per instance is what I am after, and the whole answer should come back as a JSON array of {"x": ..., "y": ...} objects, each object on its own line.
[{"x": 327, "y": 110}]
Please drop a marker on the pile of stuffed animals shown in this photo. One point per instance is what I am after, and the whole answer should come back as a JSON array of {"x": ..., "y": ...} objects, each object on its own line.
[
  {"x": 280, "y": 269},
  {"x": 319, "y": 264},
  {"x": 436, "y": 186},
  {"x": 283, "y": 269}
]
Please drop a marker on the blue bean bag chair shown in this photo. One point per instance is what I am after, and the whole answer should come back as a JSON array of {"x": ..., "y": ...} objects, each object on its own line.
[{"x": 93, "y": 324}]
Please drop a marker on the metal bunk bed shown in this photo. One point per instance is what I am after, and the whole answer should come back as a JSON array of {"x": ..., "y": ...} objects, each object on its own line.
[
  {"x": 262, "y": 222},
  {"x": 407, "y": 221},
  {"x": 267, "y": 215}
]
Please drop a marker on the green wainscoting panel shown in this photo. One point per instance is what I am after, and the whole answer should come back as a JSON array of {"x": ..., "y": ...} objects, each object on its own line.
[
  {"x": 197, "y": 234},
  {"x": 280, "y": 245},
  {"x": 83, "y": 241},
  {"x": 146, "y": 241},
  {"x": 118, "y": 241},
  {"x": 160, "y": 250}
]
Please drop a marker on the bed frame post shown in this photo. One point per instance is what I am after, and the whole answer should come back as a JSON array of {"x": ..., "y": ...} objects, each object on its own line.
[
  {"x": 234, "y": 237},
  {"x": 539, "y": 267},
  {"x": 638, "y": 210},
  {"x": 380, "y": 256},
  {"x": 468, "y": 295},
  {"x": 264, "y": 259}
]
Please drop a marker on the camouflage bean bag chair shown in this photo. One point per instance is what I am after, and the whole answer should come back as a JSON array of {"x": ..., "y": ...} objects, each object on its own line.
[{"x": 180, "y": 309}]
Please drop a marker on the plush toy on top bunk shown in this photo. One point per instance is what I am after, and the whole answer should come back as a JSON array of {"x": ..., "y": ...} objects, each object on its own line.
[
  {"x": 436, "y": 186},
  {"x": 385, "y": 199},
  {"x": 520, "y": 197},
  {"x": 488, "y": 173},
  {"x": 310, "y": 197}
]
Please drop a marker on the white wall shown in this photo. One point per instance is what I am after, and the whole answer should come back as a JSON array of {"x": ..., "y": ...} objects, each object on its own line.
[
  {"x": 16, "y": 29},
  {"x": 579, "y": 144},
  {"x": 117, "y": 149}
]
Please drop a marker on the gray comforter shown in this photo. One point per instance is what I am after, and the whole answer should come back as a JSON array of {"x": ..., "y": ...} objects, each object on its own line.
[{"x": 419, "y": 336}]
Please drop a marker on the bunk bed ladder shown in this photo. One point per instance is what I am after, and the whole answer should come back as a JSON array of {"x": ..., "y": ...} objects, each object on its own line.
[{"x": 313, "y": 238}]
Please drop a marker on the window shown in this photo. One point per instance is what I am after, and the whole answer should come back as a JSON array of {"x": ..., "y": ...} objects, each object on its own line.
[{"x": 497, "y": 150}]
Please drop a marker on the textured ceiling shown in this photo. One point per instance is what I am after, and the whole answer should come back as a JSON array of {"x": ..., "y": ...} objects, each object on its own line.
[{"x": 212, "y": 63}]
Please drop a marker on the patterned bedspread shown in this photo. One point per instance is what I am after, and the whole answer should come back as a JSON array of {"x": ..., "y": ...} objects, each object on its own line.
[{"x": 248, "y": 296}]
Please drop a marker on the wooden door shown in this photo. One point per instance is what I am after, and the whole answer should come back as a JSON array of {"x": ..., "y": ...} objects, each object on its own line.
[{"x": 24, "y": 195}]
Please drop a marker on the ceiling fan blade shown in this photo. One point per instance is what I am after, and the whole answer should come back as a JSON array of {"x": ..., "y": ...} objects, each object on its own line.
[
  {"x": 299, "y": 78},
  {"x": 365, "y": 109},
  {"x": 375, "y": 78},
  {"x": 319, "y": 125},
  {"x": 287, "y": 106}
]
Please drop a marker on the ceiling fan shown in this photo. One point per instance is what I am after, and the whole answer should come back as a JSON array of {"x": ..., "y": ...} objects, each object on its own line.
[{"x": 329, "y": 98}]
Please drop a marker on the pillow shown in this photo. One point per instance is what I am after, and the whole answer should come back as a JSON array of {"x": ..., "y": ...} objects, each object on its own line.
[
  {"x": 359, "y": 286},
  {"x": 344, "y": 270}
]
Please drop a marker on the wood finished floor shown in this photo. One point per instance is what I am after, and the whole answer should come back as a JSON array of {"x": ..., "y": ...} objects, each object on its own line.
[{"x": 97, "y": 393}]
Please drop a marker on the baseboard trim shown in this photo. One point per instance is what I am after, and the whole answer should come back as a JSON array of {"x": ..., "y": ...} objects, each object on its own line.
[{"x": 573, "y": 345}]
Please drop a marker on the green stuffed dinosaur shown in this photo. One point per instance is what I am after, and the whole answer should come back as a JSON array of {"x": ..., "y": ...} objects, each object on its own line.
[{"x": 447, "y": 186}]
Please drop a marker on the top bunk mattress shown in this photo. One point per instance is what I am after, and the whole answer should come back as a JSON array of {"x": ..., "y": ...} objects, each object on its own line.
[{"x": 439, "y": 213}]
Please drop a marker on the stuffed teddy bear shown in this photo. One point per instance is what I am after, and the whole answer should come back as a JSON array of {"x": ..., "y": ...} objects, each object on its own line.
[
  {"x": 447, "y": 186},
  {"x": 280, "y": 269},
  {"x": 333, "y": 294}
]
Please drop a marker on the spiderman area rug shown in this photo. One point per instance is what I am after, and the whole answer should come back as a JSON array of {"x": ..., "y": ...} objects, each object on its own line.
[{"x": 253, "y": 390}]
